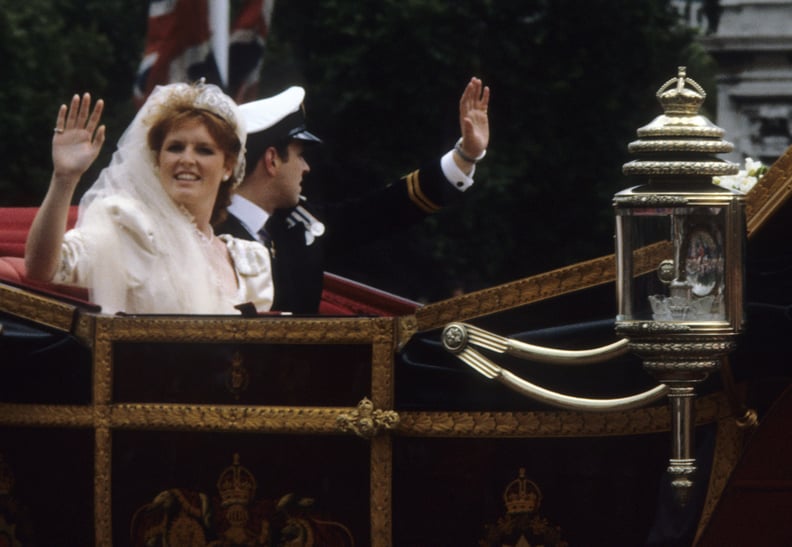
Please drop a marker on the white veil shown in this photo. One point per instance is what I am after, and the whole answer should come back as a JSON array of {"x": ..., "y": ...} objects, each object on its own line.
[{"x": 145, "y": 252}]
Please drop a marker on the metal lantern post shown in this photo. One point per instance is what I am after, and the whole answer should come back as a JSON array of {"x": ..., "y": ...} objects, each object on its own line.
[{"x": 679, "y": 249}]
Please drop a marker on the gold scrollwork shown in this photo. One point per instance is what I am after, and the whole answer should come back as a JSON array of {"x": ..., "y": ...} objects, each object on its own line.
[{"x": 366, "y": 421}]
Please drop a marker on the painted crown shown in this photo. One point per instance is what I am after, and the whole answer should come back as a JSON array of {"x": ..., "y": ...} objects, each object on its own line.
[
  {"x": 236, "y": 485},
  {"x": 522, "y": 495}
]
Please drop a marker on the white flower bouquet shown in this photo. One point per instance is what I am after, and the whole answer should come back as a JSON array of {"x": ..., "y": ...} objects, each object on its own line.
[{"x": 745, "y": 179}]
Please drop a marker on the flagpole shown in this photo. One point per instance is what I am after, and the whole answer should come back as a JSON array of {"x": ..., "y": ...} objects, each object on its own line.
[{"x": 219, "y": 25}]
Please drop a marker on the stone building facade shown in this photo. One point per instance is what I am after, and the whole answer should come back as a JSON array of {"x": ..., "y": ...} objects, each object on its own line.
[{"x": 751, "y": 42}]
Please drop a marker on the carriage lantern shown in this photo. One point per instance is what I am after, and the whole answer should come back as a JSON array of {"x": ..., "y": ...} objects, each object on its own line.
[{"x": 679, "y": 254}]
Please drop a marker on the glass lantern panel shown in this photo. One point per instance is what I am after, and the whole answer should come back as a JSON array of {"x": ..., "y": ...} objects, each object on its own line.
[{"x": 671, "y": 264}]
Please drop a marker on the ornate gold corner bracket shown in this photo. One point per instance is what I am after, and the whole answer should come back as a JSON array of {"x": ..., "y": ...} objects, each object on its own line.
[{"x": 366, "y": 421}]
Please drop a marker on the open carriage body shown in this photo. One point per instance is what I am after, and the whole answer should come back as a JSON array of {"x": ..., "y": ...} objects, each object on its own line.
[{"x": 356, "y": 427}]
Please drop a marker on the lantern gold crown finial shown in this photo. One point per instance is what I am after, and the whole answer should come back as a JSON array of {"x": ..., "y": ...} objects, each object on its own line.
[
  {"x": 680, "y": 142},
  {"x": 679, "y": 100}
]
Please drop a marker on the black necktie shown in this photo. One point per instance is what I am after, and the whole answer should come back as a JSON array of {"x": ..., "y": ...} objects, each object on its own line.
[{"x": 266, "y": 239}]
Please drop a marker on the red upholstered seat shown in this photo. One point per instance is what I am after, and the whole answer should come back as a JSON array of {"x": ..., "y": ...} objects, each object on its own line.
[
  {"x": 9, "y": 270},
  {"x": 340, "y": 296},
  {"x": 14, "y": 225},
  {"x": 12, "y": 269}
]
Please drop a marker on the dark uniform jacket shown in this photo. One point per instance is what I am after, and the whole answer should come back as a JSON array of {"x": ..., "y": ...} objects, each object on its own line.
[{"x": 298, "y": 267}]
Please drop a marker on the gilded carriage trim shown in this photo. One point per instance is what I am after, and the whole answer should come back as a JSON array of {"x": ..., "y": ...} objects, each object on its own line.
[
  {"x": 381, "y": 491},
  {"x": 382, "y": 355},
  {"x": 84, "y": 328},
  {"x": 728, "y": 447},
  {"x": 47, "y": 311},
  {"x": 230, "y": 329},
  {"x": 103, "y": 528},
  {"x": 529, "y": 424},
  {"x": 408, "y": 326},
  {"x": 366, "y": 421},
  {"x": 320, "y": 420},
  {"x": 578, "y": 277},
  {"x": 103, "y": 363},
  {"x": 46, "y": 415},
  {"x": 229, "y": 418},
  {"x": 769, "y": 194},
  {"x": 517, "y": 293}
]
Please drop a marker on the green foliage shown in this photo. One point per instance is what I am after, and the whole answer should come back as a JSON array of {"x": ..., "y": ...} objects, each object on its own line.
[
  {"x": 51, "y": 50},
  {"x": 571, "y": 82}
]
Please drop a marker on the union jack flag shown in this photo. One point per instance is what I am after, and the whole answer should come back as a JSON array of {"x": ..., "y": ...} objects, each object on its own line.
[{"x": 187, "y": 40}]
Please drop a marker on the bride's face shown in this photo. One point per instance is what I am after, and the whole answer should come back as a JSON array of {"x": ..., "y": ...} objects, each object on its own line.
[{"x": 192, "y": 166}]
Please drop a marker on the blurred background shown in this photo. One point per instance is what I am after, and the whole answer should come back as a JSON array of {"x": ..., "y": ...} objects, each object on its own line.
[{"x": 571, "y": 83}]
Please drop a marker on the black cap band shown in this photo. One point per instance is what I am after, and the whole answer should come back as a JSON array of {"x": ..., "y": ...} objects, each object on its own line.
[{"x": 292, "y": 127}]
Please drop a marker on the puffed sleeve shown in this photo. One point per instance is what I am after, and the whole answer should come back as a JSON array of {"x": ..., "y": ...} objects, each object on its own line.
[
  {"x": 73, "y": 253},
  {"x": 116, "y": 235},
  {"x": 254, "y": 271}
]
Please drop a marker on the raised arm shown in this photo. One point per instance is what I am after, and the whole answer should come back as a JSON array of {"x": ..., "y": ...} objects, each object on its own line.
[
  {"x": 473, "y": 123},
  {"x": 76, "y": 143}
]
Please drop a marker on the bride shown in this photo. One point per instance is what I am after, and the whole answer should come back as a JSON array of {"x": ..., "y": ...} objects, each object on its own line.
[{"x": 144, "y": 241}]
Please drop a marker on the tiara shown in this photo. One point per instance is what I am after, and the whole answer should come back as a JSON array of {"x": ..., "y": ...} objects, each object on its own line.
[
  {"x": 211, "y": 98},
  {"x": 202, "y": 96}
]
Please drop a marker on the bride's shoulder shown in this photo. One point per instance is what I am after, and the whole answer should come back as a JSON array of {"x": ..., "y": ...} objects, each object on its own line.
[
  {"x": 250, "y": 257},
  {"x": 124, "y": 211}
]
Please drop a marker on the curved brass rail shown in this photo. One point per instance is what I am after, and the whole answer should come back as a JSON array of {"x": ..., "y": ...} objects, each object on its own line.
[
  {"x": 458, "y": 336},
  {"x": 480, "y": 337}
]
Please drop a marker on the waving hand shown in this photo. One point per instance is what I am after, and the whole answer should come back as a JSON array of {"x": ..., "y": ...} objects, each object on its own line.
[
  {"x": 76, "y": 143},
  {"x": 473, "y": 119},
  {"x": 78, "y": 137}
]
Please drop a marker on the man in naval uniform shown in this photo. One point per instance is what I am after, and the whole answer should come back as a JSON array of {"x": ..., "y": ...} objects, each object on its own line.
[{"x": 267, "y": 205}]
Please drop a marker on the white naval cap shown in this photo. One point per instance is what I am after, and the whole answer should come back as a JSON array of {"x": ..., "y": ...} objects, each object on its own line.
[
  {"x": 278, "y": 118},
  {"x": 274, "y": 121}
]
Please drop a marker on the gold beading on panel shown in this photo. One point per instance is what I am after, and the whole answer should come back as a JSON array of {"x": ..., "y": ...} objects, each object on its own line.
[
  {"x": 231, "y": 418},
  {"x": 47, "y": 311},
  {"x": 382, "y": 355},
  {"x": 103, "y": 528},
  {"x": 728, "y": 448},
  {"x": 535, "y": 424},
  {"x": 275, "y": 330},
  {"x": 518, "y": 293},
  {"x": 769, "y": 194},
  {"x": 381, "y": 491},
  {"x": 537, "y": 288},
  {"x": 46, "y": 415}
]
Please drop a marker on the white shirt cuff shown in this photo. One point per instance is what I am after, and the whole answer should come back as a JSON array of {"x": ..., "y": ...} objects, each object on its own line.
[{"x": 456, "y": 177}]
